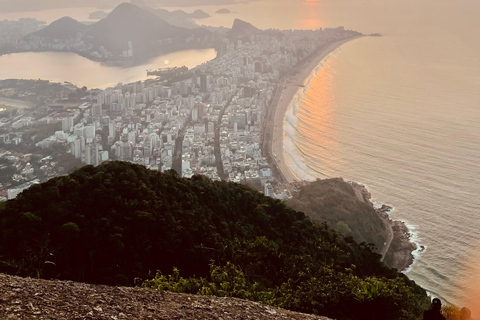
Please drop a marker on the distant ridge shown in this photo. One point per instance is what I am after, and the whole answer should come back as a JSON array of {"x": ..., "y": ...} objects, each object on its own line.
[
  {"x": 63, "y": 28},
  {"x": 128, "y": 22},
  {"x": 129, "y": 31},
  {"x": 180, "y": 14},
  {"x": 97, "y": 15}
]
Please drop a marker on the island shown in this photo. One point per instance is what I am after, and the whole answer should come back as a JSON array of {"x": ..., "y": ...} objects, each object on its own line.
[
  {"x": 97, "y": 15},
  {"x": 223, "y": 11}
]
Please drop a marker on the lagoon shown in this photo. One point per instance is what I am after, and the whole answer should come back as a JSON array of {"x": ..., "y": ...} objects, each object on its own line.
[{"x": 71, "y": 67}]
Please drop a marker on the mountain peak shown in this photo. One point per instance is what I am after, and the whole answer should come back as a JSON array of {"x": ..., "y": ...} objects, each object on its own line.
[
  {"x": 240, "y": 26},
  {"x": 62, "y": 28},
  {"x": 125, "y": 8}
]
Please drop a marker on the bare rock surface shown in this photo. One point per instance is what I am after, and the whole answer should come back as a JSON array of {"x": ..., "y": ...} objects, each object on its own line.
[
  {"x": 27, "y": 298},
  {"x": 402, "y": 248}
]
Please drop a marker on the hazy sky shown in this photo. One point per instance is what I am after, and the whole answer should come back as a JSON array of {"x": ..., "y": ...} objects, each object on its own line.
[{"x": 35, "y": 5}]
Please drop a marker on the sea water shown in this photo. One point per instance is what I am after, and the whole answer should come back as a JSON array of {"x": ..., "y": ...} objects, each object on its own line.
[{"x": 401, "y": 113}]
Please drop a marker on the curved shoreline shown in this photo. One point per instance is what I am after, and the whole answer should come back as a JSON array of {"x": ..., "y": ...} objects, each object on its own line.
[
  {"x": 288, "y": 88},
  {"x": 402, "y": 257}
]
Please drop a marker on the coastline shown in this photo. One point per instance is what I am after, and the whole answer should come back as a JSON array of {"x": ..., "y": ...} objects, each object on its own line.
[
  {"x": 399, "y": 246},
  {"x": 288, "y": 88}
]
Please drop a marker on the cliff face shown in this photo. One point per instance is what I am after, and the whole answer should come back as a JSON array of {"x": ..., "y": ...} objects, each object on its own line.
[{"x": 26, "y": 298}]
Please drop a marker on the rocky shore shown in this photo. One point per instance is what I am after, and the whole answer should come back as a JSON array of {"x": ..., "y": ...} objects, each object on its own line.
[
  {"x": 26, "y": 298},
  {"x": 398, "y": 248}
]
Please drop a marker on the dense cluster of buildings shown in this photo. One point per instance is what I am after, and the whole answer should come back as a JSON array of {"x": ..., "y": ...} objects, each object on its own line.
[{"x": 210, "y": 123}]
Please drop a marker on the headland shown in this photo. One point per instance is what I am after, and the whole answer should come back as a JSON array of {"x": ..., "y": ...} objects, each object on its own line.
[{"x": 397, "y": 251}]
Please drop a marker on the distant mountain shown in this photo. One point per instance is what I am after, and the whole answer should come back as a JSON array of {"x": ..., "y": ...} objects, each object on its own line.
[
  {"x": 63, "y": 28},
  {"x": 167, "y": 15},
  {"x": 128, "y": 22},
  {"x": 192, "y": 3},
  {"x": 97, "y": 15},
  {"x": 242, "y": 30},
  {"x": 179, "y": 14},
  {"x": 128, "y": 31},
  {"x": 199, "y": 14},
  {"x": 243, "y": 27},
  {"x": 179, "y": 17}
]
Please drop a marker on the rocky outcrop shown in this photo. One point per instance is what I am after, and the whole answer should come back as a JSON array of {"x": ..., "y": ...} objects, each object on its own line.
[
  {"x": 398, "y": 253},
  {"x": 401, "y": 248},
  {"x": 26, "y": 298}
]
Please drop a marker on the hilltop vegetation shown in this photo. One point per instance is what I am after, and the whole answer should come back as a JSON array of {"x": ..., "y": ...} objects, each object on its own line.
[
  {"x": 334, "y": 201},
  {"x": 119, "y": 223},
  {"x": 345, "y": 209}
]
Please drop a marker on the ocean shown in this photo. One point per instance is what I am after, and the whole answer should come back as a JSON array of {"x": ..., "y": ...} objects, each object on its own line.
[{"x": 399, "y": 113}]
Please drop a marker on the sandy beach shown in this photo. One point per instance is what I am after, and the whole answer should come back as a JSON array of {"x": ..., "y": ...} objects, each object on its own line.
[{"x": 281, "y": 102}]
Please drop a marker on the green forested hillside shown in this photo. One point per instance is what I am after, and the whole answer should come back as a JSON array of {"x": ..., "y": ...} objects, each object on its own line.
[
  {"x": 334, "y": 201},
  {"x": 119, "y": 223}
]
